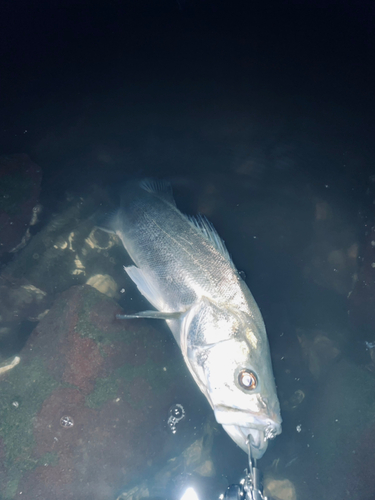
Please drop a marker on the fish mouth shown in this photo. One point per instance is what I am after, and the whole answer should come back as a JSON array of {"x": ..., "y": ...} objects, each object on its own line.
[
  {"x": 258, "y": 428},
  {"x": 240, "y": 436}
]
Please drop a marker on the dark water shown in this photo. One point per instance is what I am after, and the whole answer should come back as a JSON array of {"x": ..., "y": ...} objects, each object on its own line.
[{"x": 261, "y": 116}]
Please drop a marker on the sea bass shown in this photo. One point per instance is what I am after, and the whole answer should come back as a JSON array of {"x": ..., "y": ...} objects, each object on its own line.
[{"x": 184, "y": 270}]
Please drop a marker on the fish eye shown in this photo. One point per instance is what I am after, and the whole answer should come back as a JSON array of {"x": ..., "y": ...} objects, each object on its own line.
[{"x": 247, "y": 380}]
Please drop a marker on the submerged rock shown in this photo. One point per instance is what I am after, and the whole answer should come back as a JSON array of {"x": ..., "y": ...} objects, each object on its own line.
[
  {"x": 85, "y": 410},
  {"x": 191, "y": 467},
  {"x": 280, "y": 489},
  {"x": 69, "y": 250},
  {"x": 331, "y": 258},
  {"x": 104, "y": 284},
  {"x": 361, "y": 299},
  {"x": 20, "y": 181},
  {"x": 340, "y": 437},
  {"x": 319, "y": 351}
]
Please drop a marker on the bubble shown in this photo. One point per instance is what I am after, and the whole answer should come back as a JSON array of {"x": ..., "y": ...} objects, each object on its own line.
[
  {"x": 176, "y": 414},
  {"x": 66, "y": 421}
]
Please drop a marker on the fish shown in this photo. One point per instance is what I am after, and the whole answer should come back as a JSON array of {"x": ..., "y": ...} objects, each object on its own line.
[{"x": 183, "y": 268}]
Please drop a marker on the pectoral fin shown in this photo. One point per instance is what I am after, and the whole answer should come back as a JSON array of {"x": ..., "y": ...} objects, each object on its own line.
[
  {"x": 145, "y": 285},
  {"x": 151, "y": 315}
]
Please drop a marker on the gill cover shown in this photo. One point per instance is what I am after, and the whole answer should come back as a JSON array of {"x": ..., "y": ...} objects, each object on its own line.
[{"x": 217, "y": 354}]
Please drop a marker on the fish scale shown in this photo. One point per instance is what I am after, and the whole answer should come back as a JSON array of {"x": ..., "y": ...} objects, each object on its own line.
[{"x": 184, "y": 270}]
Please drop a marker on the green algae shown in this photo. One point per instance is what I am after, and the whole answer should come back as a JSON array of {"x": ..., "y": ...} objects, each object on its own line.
[
  {"x": 105, "y": 389},
  {"x": 12, "y": 485},
  {"x": 16, "y": 473},
  {"x": 159, "y": 378},
  {"x": 84, "y": 326},
  {"x": 22, "y": 393},
  {"x": 156, "y": 376},
  {"x": 92, "y": 299},
  {"x": 49, "y": 458}
]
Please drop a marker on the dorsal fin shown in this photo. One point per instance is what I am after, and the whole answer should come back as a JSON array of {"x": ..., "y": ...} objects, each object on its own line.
[
  {"x": 160, "y": 187},
  {"x": 207, "y": 229}
]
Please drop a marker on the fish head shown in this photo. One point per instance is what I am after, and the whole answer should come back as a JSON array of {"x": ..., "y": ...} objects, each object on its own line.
[{"x": 228, "y": 355}]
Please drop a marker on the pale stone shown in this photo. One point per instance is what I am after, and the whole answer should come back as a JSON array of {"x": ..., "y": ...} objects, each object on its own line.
[
  {"x": 280, "y": 489},
  {"x": 104, "y": 284}
]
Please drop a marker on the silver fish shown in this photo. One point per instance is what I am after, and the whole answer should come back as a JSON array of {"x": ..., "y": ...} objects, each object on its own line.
[{"x": 184, "y": 270}]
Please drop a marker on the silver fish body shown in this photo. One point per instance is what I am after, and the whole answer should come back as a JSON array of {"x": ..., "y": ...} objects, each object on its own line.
[{"x": 184, "y": 270}]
